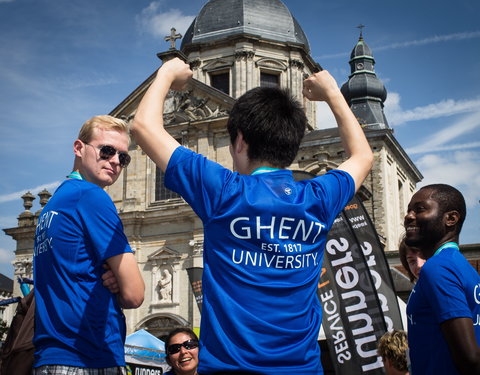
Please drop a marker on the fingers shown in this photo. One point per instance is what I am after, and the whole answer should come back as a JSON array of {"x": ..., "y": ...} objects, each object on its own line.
[
  {"x": 320, "y": 86},
  {"x": 179, "y": 72},
  {"x": 109, "y": 281}
]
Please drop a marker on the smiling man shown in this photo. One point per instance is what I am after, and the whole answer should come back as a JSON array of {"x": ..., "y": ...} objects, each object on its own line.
[
  {"x": 444, "y": 307},
  {"x": 79, "y": 323}
]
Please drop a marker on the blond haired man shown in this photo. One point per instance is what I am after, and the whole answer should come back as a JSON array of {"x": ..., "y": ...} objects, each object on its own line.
[{"x": 79, "y": 242}]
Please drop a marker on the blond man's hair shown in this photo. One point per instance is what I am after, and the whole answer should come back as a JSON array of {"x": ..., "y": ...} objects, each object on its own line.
[
  {"x": 105, "y": 122},
  {"x": 393, "y": 345}
]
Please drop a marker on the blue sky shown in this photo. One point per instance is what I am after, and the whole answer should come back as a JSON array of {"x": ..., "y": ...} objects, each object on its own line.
[{"x": 63, "y": 61}]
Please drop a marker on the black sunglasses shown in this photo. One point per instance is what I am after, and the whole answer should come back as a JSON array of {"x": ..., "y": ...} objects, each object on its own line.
[
  {"x": 189, "y": 344},
  {"x": 106, "y": 152}
]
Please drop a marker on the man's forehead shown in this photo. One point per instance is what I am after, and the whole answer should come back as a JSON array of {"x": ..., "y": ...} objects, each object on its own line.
[
  {"x": 423, "y": 195},
  {"x": 103, "y": 133}
]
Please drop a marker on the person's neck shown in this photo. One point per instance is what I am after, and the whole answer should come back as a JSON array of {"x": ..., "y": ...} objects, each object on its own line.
[
  {"x": 260, "y": 167},
  {"x": 193, "y": 372},
  {"x": 76, "y": 175},
  {"x": 446, "y": 239}
]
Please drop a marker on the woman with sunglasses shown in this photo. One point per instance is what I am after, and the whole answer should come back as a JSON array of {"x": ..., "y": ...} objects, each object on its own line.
[{"x": 181, "y": 347}]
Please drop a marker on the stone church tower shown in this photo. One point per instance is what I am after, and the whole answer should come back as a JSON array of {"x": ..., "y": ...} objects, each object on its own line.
[{"x": 233, "y": 46}]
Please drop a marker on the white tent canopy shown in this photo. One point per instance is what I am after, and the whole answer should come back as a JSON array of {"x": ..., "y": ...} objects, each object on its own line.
[{"x": 143, "y": 348}]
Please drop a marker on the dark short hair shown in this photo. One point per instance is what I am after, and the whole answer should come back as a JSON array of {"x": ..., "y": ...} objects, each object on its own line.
[
  {"x": 176, "y": 331},
  {"x": 449, "y": 199},
  {"x": 272, "y": 123}
]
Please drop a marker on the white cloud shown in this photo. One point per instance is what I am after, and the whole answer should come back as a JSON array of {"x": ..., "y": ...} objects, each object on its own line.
[
  {"x": 430, "y": 40},
  {"x": 460, "y": 169},
  {"x": 325, "y": 118},
  {"x": 412, "y": 43},
  {"x": 6, "y": 256},
  {"x": 439, "y": 140},
  {"x": 158, "y": 23},
  {"x": 14, "y": 196},
  {"x": 397, "y": 116}
]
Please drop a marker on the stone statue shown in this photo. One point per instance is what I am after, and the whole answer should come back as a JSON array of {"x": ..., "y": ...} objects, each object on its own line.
[{"x": 165, "y": 286}]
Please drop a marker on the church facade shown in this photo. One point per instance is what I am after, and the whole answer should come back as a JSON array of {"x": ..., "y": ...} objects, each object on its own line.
[{"x": 233, "y": 46}]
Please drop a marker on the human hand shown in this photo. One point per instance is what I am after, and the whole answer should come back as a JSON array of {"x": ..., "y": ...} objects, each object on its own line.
[
  {"x": 320, "y": 86},
  {"x": 177, "y": 71},
  {"x": 109, "y": 280}
]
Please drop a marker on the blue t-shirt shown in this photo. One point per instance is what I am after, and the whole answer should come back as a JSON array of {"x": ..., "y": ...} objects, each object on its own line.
[
  {"x": 78, "y": 321},
  {"x": 448, "y": 288},
  {"x": 263, "y": 248}
]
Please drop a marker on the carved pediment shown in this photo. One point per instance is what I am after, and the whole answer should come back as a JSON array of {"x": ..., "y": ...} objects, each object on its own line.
[
  {"x": 164, "y": 254},
  {"x": 273, "y": 64},
  {"x": 217, "y": 64},
  {"x": 198, "y": 103}
]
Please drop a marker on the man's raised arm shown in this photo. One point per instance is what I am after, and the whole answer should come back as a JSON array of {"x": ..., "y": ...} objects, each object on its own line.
[
  {"x": 321, "y": 86},
  {"x": 148, "y": 128}
]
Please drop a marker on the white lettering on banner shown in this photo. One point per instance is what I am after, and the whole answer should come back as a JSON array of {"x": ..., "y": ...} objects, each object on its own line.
[
  {"x": 347, "y": 278},
  {"x": 358, "y": 221},
  {"x": 338, "y": 332},
  {"x": 146, "y": 371},
  {"x": 285, "y": 228},
  {"x": 367, "y": 249}
]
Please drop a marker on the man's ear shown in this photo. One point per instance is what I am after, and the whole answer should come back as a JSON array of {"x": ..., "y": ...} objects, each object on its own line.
[
  {"x": 451, "y": 218},
  {"x": 239, "y": 144},
  {"x": 78, "y": 147}
]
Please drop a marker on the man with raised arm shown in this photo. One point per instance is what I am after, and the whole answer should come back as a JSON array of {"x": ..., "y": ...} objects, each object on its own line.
[{"x": 264, "y": 233}]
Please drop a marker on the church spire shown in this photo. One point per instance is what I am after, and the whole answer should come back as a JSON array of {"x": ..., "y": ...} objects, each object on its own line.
[{"x": 364, "y": 92}]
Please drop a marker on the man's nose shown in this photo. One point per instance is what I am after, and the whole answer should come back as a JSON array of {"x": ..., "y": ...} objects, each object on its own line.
[{"x": 409, "y": 216}]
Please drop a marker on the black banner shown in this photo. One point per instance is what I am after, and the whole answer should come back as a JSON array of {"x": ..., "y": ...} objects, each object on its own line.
[
  {"x": 195, "y": 277},
  {"x": 376, "y": 260},
  {"x": 136, "y": 369},
  {"x": 352, "y": 316},
  {"x": 356, "y": 291}
]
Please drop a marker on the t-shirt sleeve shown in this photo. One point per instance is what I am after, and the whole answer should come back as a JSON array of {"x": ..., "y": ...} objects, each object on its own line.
[
  {"x": 102, "y": 225},
  {"x": 198, "y": 180},
  {"x": 444, "y": 292},
  {"x": 335, "y": 189}
]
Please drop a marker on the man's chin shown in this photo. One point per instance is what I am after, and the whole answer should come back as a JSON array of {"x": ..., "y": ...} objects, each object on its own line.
[{"x": 412, "y": 241}]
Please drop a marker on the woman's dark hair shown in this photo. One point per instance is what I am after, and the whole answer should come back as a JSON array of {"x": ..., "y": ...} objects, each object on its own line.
[{"x": 176, "y": 331}]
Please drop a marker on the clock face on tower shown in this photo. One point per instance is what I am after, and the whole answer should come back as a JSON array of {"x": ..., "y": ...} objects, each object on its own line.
[{"x": 359, "y": 66}]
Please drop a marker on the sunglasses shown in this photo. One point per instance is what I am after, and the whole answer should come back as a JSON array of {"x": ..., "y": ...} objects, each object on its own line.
[
  {"x": 189, "y": 344},
  {"x": 106, "y": 152}
]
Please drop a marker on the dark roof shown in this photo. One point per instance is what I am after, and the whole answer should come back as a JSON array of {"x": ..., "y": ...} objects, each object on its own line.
[
  {"x": 6, "y": 284},
  {"x": 361, "y": 49},
  {"x": 268, "y": 19}
]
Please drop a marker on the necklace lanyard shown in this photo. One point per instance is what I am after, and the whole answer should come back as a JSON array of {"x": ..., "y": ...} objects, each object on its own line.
[
  {"x": 264, "y": 170},
  {"x": 448, "y": 244},
  {"x": 75, "y": 175}
]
